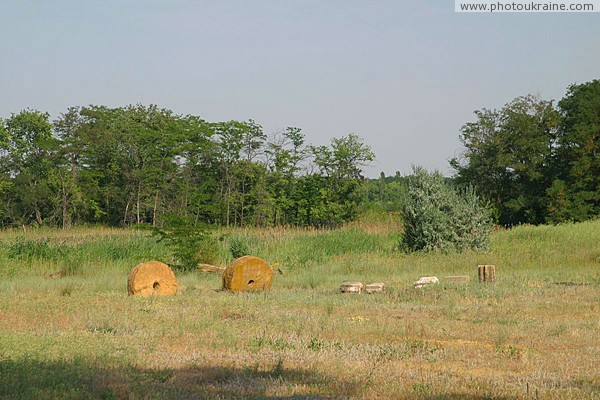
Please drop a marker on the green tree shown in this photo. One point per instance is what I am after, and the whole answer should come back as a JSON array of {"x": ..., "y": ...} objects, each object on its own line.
[
  {"x": 28, "y": 159},
  {"x": 345, "y": 157},
  {"x": 285, "y": 153},
  {"x": 133, "y": 159},
  {"x": 341, "y": 166},
  {"x": 5, "y": 178},
  {"x": 508, "y": 157},
  {"x": 72, "y": 200},
  {"x": 239, "y": 144},
  {"x": 575, "y": 194},
  {"x": 384, "y": 194}
]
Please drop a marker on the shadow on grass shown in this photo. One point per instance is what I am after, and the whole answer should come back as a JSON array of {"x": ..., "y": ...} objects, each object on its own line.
[
  {"x": 464, "y": 396},
  {"x": 79, "y": 379}
]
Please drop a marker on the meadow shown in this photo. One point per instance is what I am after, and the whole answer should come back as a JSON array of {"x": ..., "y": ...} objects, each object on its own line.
[{"x": 68, "y": 329}]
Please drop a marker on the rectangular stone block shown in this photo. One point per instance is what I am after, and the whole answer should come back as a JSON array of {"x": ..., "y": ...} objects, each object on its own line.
[
  {"x": 375, "y": 288},
  {"x": 486, "y": 273},
  {"x": 457, "y": 279},
  {"x": 351, "y": 287}
]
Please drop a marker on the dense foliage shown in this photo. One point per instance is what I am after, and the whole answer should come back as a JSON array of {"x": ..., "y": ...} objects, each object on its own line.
[
  {"x": 437, "y": 216},
  {"x": 190, "y": 242},
  {"x": 536, "y": 162},
  {"x": 132, "y": 165}
]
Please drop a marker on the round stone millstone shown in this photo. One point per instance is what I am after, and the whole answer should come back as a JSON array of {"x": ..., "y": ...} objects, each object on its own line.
[
  {"x": 248, "y": 273},
  {"x": 152, "y": 278}
]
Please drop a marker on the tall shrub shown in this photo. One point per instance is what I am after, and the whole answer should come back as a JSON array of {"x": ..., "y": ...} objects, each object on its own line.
[
  {"x": 191, "y": 242},
  {"x": 439, "y": 217}
]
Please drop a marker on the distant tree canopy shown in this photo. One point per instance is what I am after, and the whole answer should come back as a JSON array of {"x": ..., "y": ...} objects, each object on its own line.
[
  {"x": 135, "y": 164},
  {"x": 536, "y": 162}
]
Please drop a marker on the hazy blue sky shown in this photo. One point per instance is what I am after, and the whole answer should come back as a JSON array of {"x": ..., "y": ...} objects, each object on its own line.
[{"x": 404, "y": 75}]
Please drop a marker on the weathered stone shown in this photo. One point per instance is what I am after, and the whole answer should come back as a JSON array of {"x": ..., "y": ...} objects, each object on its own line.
[
  {"x": 457, "y": 279},
  {"x": 248, "y": 273},
  {"x": 210, "y": 268},
  {"x": 486, "y": 273},
  {"x": 152, "y": 278},
  {"x": 375, "y": 288},
  {"x": 351, "y": 287},
  {"x": 426, "y": 280}
]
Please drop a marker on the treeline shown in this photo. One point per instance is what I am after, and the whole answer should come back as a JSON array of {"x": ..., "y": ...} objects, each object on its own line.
[
  {"x": 135, "y": 164},
  {"x": 537, "y": 162},
  {"x": 534, "y": 161}
]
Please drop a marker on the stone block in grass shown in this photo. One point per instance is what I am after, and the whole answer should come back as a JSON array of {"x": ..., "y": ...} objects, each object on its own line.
[
  {"x": 378, "y": 287},
  {"x": 426, "y": 280},
  {"x": 457, "y": 279},
  {"x": 486, "y": 273},
  {"x": 351, "y": 287}
]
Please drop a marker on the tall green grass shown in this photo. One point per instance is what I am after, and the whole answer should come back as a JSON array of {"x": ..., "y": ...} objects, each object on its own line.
[
  {"x": 310, "y": 258},
  {"x": 28, "y": 255}
]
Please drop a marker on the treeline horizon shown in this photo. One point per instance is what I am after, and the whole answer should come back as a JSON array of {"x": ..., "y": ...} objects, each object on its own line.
[
  {"x": 135, "y": 164},
  {"x": 532, "y": 161}
]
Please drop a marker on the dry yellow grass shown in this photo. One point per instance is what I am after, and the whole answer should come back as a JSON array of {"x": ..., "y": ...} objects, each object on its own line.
[{"x": 536, "y": 329}]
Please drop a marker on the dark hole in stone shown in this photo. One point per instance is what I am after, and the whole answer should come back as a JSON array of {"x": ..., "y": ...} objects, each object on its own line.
[
  {"x": 156, "y": 286},
  {"x": 251, "y": 281}
]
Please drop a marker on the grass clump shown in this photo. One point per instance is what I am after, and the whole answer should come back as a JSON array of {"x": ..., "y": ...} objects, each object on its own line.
[{"x": 28, "y": 249}]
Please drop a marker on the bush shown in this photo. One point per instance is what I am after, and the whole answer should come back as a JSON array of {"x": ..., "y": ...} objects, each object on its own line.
[
  {"x": 437, "y": 216},
  {"x": 238, "y": 248},
  {"x": 190, "y": 242}
]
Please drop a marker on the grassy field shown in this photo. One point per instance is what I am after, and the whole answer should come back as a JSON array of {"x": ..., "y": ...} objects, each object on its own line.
[{"x": 533, "y": 334}]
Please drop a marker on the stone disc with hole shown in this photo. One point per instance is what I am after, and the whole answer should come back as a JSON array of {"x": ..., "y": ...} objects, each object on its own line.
[
  {"x": 152, "y": 278},
  {"x": 248, "y": 273}
]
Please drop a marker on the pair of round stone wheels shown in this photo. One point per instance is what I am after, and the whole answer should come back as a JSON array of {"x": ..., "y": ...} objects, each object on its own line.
[{"x": 155, "y": 278}]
